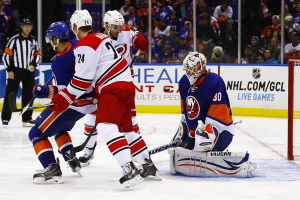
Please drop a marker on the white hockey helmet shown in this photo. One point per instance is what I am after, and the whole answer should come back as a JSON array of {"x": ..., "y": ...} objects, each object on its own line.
[
  {"x": 195, "y": 65},
  {"x": 80, "y": 18},
  {"x": 113, "y": 17}
]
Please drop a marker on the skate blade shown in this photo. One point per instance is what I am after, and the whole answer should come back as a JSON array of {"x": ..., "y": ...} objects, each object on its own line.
[
  {"x": 156, "y": 177},
  {"x": 79, "y": 173},
  {"x": 132, "y": 182},
  {"x": 53, "y": 180},
  {"x": 88, "y": 163}
]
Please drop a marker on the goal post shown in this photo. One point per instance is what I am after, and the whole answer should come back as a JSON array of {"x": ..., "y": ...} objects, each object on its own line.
[{"x": 293, "y": 108}]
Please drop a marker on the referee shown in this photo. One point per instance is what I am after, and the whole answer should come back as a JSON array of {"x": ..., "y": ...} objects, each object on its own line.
[{"x": 20, "y": 58}]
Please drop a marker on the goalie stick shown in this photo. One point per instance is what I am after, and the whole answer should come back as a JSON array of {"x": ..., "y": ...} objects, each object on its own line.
[
  {"x": 12, "y": 101},
  {"x": 13, "y": 107},
  {"x": 175, "y": 143},
  {"x": 82, "y": 146}
]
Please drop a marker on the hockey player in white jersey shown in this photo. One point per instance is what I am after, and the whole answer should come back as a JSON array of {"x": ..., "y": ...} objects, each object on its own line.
[
  {"x": 206, "y": 127},
  {"x": 122, "y": 38}
]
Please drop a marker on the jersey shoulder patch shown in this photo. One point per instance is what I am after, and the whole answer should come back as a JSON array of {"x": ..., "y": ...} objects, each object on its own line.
[{"x": 92, "y": 40}]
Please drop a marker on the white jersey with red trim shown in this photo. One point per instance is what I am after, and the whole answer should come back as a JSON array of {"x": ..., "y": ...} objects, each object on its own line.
[
  {"x": 97, "y": 64},
  {"x": 123, "y": 43}
]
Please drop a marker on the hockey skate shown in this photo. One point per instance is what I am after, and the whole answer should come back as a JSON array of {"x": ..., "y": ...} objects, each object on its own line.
[
  {"x": 131, "y": 175},
  {"x": 52, "y": 174},
  {"x": 88, "y": 156},
  {"x": 73, "y": 162},
  {"x": 149, "y": 171}
]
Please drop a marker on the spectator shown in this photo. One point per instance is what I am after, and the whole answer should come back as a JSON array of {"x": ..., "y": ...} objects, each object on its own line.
[
  {"x": 292, "y": 7},
  {"x": 166, "y": 58},
  {"x": 154, "y": 46},
  {"x": 292, "y": 49},
  {"x": 145, "y": 20},
  {"x": 142, "y": 11},
  {"x": 289, "y": 22},
  {"x": 254, "y": 42},
  {"x": 3, "y": 32},
  {"x": 5, "y": 11},
  {"x": 213, "y": 21},
  {"x": 275, "y": 26},
  {"x": 124, "y": 9},
  {"x": 166, "y": 50},
  {"x": 297, "y": 15},
  {"x": 206, "y": 35},
  {"x": 248, "y": 55},
  {"x": 266, "y": 40},
  {"x": 14, "y": 5},
  {"x": 189, "y": 17},
  {"x": 218, "y": 56},
  {"x": 160, "y": 31},
  {"x": 182, "y": 49},
  {"x": 141, "y": 4},
  {"x": 181, "y": 9},
  {"x": 259, "y": 59},
  {"x": 173, "y": 21},
  {"x": 223, "y": 14},
  {"x": 190, "y": 41},
  {"x": 172, "y": 38},
  {"x": 201, "y": 6},
  {"x": 185, "y": 29},
  {"x": 268, "y": 59},
  {"x": 274, "y": 48},
  {"x": 132, "y": 20},
  {"x": 286, "y": 12},
  {"x": 163, "y": 11}
]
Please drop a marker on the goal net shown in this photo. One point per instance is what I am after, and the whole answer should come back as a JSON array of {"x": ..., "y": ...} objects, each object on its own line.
[{"x": 294, "y": 109}]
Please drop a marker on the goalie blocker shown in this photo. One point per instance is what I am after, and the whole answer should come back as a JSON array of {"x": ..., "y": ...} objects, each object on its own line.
[{"x": 210, "y": 164}]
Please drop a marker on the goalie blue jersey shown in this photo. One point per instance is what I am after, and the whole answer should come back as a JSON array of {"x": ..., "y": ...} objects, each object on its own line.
[{"x": 206, "y": 101}]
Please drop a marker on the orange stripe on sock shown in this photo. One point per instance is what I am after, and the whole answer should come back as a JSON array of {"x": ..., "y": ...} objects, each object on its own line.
[
  {"x": 41, "y": 145},
  {"x": 64, "y": 139},
  {"x": 48, "y": 121}
]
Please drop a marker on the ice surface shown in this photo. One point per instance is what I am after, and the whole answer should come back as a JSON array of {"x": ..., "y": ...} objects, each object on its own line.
[{"x": 264, "y": 138}]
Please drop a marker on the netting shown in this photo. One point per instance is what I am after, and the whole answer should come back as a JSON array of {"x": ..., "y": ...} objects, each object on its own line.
[{"x": 296, "y": 110}]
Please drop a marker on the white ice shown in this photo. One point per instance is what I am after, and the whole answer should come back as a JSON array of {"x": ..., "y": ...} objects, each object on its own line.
[{"x": 264, "y": 138}]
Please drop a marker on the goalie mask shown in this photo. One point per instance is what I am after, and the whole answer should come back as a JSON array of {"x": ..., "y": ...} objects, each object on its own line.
[
  {"x": 194, "y": 65},
  {"x": 113, "y": 18},
  {"x": 80, "y": 18}
]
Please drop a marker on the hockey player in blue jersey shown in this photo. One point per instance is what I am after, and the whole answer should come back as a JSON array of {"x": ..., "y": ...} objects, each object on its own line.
[
  {"x": 58, "y": 123},
  {"x": 206, "y": 125}
]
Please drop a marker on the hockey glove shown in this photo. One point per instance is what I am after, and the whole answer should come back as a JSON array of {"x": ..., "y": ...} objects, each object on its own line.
[
  {"x": 44, "y": 91},
  {"x": 205, "y": 137},
  {"x": 62, "y": 100},
  {"x": 140, "y": 42}
]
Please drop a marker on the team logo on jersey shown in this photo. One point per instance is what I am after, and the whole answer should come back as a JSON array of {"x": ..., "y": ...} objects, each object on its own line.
[
  {"x": 121, "y": 48},
  {"x": 192, "y": 107},
  {"x": 256, "y": 73}
]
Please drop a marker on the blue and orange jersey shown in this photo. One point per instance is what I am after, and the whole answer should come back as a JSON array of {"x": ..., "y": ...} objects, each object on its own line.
[{"x": 207, "y": 100}]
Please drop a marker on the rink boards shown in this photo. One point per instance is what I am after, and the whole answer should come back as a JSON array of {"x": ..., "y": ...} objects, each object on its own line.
[{"x": 254, "y": 90}]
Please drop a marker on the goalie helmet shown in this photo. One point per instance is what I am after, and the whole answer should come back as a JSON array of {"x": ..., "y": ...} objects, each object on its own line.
[
  {"x": 58, "y": 30},
  {"x": 113, "y": 18},
  {"x": 80, "y": 18},
  {"x": 195, "y": 65}
]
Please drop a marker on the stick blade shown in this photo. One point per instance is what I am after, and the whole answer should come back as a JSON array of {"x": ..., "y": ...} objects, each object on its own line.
[{"x": 12, "y": 101}]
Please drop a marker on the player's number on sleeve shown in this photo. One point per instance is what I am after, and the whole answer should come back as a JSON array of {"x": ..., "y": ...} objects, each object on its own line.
[
  {"x": 110, "y": 46},
  {"x": 217, "y": 97},
  {"x": 80, "y": 58}
]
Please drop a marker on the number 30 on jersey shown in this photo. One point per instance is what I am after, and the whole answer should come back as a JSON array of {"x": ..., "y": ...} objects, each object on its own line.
[{"x": 218, "y": 96}]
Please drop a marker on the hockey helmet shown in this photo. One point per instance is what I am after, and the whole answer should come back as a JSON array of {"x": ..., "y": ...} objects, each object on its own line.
[
  {"x": 58, "y": 29},
  {"x": 80, "y": 18},
  {"x": 194, "y": 64},
  {"x": 113, "y": 18}
]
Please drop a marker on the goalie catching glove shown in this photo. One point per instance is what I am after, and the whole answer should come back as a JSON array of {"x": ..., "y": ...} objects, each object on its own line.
[
  {"x": 62, "y": 100},
  {"x": 205, "y": 137},
  {"x": 44, "y": 91},
  {"x": 140, "y": 42}
]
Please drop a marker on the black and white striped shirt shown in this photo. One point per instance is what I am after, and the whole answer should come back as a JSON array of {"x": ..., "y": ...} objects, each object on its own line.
[{"x": 21, "y": 52}]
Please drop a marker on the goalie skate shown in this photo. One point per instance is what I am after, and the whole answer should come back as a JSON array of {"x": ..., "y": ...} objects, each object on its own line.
[
  {"x": 73, "y": 162},
  {"x": 149, "y": 171},
  {"x": 52, "y": 174},
  {"x": 131, "y": 175},
  {"x": 87, "y": 157}
]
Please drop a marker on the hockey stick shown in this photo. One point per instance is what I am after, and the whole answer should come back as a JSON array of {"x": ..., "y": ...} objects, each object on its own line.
[
  {"x": 175, "y": 143},
  {"x": 26, "y": 107},
  {"x": 81, "y": 147},
  {"x": 49, "y": 104}
]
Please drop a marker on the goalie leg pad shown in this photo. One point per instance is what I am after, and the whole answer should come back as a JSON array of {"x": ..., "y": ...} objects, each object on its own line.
[{"x": 211, "y": 164}]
